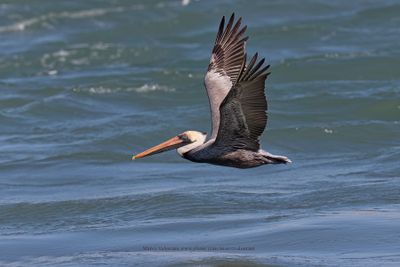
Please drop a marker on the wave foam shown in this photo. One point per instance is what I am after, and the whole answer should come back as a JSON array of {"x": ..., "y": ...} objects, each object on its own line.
[
  {"x": 146, "y": 88},
  {"x": 153, "y": 87}
]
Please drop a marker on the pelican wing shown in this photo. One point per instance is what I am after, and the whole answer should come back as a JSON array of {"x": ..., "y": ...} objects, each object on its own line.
[
  {"x": 223, "y": 70},
  {"x": 243, "y": 111}
]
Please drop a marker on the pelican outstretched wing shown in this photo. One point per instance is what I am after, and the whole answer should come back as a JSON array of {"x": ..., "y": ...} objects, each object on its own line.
[
  {"x": 243, "y": 111},
  {"x": 226, "y": 59}
]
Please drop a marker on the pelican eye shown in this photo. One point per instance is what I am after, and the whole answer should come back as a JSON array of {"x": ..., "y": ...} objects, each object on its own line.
[{"x": 184, "y": 138}]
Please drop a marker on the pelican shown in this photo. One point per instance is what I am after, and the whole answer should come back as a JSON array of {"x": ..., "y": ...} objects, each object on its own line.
[{"x": 238, "y": 106}]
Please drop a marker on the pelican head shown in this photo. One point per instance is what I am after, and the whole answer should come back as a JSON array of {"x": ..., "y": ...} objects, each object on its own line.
[{"x": 183, "y": 143}]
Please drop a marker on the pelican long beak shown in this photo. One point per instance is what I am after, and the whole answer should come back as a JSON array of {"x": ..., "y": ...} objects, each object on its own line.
[{"x": 172, "y": 143}]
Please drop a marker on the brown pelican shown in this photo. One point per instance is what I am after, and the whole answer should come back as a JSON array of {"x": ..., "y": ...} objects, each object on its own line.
[{"x": 238, "y": 105}]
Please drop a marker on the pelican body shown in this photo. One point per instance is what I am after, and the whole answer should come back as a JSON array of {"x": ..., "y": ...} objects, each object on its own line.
[{"x": 238, "y": 106}]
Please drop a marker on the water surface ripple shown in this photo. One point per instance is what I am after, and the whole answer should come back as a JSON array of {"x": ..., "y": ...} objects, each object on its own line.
[{"x": 86, "y": 84}]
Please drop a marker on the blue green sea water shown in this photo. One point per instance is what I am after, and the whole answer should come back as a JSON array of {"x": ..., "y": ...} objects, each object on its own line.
[{"x": 86, "y": 84}]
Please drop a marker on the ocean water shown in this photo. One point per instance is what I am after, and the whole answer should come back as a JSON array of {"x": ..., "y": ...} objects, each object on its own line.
[{"x": 86, "y": 84}]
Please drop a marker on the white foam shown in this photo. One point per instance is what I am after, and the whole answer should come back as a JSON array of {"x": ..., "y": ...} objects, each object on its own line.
[
  {"x": 146, "y": 88},
  {"x": 185, "y": 2},
  {"x": 153, "y": 87},
  {"x": 52, "y": 72}
]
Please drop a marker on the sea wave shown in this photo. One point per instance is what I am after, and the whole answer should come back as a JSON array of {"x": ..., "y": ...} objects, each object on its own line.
[{"x": 43, "y": 19}]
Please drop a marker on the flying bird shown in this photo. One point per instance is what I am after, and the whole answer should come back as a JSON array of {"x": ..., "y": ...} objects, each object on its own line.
[{"x": 235, "y": 90}]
